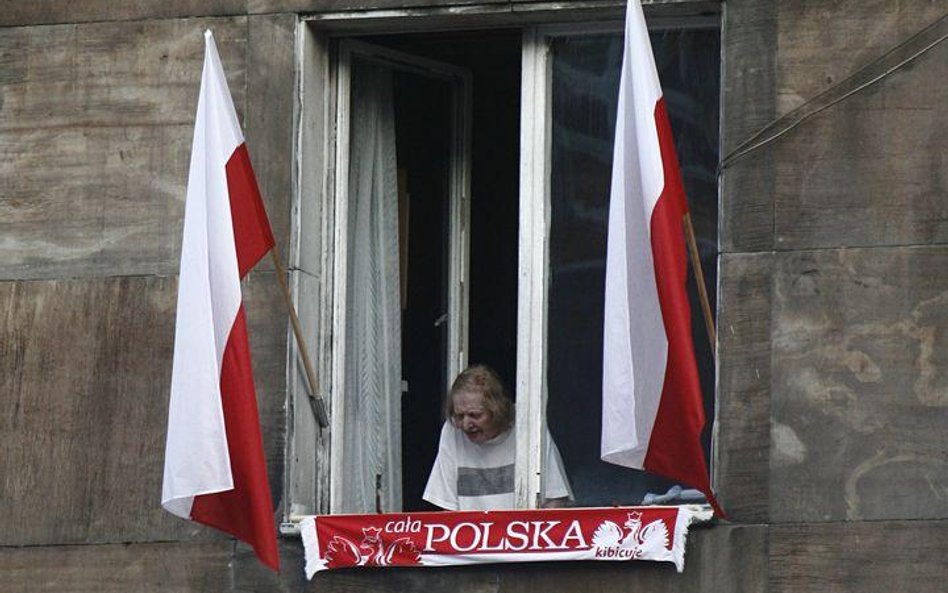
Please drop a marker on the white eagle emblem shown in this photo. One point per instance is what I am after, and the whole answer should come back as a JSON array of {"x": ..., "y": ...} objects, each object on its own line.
[{"x": 650, "y": 541}]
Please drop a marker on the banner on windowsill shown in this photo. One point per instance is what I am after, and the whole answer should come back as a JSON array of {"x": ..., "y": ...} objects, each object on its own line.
[{"x": 483, "y": 537}]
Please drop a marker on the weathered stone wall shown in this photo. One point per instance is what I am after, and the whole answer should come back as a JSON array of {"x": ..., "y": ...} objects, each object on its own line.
[
  {"x": 832, "y": 453},
  {"x": 96, "y": 122},
  {"x": 832, "y": 364}
]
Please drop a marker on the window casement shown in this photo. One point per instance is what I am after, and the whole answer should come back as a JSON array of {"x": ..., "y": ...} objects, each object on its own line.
[{"x": 507, "y": 254}]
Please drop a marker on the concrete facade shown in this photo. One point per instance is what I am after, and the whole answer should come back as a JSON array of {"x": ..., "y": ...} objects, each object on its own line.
[{"x": 832, "y": 453}]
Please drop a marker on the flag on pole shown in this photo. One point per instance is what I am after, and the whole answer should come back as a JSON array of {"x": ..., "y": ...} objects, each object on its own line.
[
  {"x": 653, "y": 411},
  {"x": 215, "y": 471}
]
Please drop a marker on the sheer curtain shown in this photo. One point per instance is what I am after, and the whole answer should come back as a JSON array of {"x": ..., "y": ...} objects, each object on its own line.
[{"x": 373, "y": 324}]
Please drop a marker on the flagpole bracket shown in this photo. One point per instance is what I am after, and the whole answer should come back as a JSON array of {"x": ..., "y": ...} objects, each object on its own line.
[{"x": 317, "y": 404}]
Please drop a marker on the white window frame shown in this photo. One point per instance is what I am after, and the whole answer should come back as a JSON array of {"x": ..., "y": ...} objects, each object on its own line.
[
  {"x": 533, "y": 265},
  {"x": 318, "y": 235}
]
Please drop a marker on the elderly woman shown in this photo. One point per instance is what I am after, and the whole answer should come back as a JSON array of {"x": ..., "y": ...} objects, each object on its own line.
[{"x": 474, "y": 469}]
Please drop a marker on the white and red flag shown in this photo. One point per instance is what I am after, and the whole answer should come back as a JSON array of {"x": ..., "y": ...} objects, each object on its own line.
[
  {"x": 215, "y": 471},
  {"x": 653, "y": 411}
]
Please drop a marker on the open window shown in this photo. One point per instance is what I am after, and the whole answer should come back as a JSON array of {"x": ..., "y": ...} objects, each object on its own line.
[{"x": 491, "y": 228}]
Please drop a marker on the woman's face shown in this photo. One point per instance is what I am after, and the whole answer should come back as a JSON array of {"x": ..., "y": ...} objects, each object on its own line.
[{"x": 472, "y": 417}]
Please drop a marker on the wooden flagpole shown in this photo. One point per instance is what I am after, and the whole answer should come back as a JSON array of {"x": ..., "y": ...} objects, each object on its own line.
[
  {"x": 316, "y": 400},
  {"x": 699, "y": 280}
]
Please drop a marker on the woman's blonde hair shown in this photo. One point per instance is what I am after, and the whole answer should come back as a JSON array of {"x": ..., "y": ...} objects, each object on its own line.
[{"x": 482, "y": 379}]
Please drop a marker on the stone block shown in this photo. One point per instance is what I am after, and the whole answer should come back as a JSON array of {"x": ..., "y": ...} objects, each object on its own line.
[
  {"x": 874, "y": 557},
  {"x": 96, "y": 124},
  {"x": 860, "y": 391},
  {"x": 742, "y": 446}
]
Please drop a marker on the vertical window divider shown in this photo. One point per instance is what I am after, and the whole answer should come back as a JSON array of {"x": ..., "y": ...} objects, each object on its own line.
[
  {"x": 340, "y": 268},
  {"x": 533, "y": 268}
]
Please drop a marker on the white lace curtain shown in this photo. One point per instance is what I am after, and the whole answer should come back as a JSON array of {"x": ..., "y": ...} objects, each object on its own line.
[{"x": 373, "y": 327}]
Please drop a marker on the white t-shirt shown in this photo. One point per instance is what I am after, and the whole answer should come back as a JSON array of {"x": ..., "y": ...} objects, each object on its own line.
[{"x": 480, "y": 477}]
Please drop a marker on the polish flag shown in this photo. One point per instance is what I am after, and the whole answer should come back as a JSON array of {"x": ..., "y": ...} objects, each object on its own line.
[
  {"x": 215, "y": 471},
  {"x": 652, "y": 412}
]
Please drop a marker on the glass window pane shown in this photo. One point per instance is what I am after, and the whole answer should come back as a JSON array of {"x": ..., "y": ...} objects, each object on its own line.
[{"x": 585, "y": 81}]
